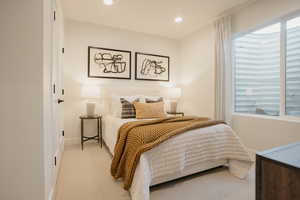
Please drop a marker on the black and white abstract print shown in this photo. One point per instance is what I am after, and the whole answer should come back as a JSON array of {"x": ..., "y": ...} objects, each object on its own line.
[
  {"x": 152, "y": 67},
  {"x": 109, "y": 63}
]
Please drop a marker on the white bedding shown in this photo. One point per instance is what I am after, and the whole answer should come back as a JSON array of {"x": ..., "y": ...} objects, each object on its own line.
[{"x": 184, "y": 154}]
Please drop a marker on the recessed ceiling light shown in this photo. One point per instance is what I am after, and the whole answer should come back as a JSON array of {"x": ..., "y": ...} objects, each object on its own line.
[
  {"x": 178, "y": 19},
  {"x": 108, "y": 2}
]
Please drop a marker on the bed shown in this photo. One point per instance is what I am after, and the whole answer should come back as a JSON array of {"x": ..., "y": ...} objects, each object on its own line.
[{"x": 188, "y": 153}]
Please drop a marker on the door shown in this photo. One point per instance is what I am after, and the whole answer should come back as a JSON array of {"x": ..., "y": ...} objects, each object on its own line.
[{"x": 57, "y": 83}]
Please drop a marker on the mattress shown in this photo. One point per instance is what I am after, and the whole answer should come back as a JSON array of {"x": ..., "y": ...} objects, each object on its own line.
[{"x": 184, "y": 154}]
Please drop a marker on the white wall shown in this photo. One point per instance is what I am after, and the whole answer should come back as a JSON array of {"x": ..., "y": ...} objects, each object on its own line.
[
  {"x": 257, "y": 132},
  {"x": 77, "y": 39},
  {"x": 261, "y": 132},
  {"x": 261, "y": 12},
  {"x": 197, "y": 56},
  {"x": 198, "y": 73},
  {"x": 21, "y": 102}
]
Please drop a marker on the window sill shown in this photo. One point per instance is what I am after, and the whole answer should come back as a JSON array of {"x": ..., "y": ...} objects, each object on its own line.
[{"x": 280, "y": 118}]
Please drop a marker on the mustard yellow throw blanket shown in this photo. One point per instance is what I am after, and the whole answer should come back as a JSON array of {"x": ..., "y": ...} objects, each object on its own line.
[{"x": 136, "y": 137}]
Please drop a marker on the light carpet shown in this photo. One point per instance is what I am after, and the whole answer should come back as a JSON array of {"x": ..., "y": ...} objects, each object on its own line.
[{"x": 85, "y": 175}]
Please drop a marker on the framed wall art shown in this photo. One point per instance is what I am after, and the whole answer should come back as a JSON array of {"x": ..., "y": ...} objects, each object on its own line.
[
  {"x": 109, "y": 63},
  {"x": 152, "y": 67}
]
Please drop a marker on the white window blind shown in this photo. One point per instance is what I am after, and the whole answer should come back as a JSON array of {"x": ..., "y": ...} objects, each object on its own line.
[
  {"x": 293, "y": 67},
  {"x": 257, "y": 72}
]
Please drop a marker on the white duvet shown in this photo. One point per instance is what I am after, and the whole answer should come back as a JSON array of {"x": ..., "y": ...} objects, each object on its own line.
[{"x": 184, "y": 154}]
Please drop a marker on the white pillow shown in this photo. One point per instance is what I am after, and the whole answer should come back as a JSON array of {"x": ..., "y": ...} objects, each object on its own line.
[{"x": 154, "y": 98}]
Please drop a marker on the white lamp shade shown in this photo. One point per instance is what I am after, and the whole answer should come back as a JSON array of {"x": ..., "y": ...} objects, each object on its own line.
[
  {"x": 90, "y": 92},
  {"x": 174, "y": 93}
]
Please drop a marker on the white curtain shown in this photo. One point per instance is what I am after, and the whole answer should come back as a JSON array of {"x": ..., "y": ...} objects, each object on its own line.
[{"x": 223, "y": 57}]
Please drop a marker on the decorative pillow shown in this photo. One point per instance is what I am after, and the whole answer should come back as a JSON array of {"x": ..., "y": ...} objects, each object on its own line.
[
  {"x": 149, "y": 110},
  {"x": 152, "y": 98},
  {"x": 154, "y": 101},
  {"x": 116, "y": 106},
  {"x": 128, "y": 110},
  {"x": 159, "y": 99}
]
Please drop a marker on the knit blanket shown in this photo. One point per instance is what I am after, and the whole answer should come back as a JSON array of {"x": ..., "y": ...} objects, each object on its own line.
[{"x": 137, "y": 137}]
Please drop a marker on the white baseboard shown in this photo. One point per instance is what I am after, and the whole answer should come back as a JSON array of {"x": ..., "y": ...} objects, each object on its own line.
[{"x": 71, "y": 141}]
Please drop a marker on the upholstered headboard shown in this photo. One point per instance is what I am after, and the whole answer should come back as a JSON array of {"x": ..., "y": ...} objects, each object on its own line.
[{"x": 107, "y": 92}]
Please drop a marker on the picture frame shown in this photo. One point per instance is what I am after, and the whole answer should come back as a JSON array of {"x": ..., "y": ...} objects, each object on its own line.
[
  {"x": 109, "y": 63},
  {"x": 152, "y": 67}
]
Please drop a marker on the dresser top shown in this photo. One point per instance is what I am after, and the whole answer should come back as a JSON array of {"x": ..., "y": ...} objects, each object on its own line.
[{"x": 288, "y": 154}]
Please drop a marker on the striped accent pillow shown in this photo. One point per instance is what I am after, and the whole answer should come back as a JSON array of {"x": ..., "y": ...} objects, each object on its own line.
[
  {"x": 128, "y": 110},
  {"x": 154, "y": 101}
]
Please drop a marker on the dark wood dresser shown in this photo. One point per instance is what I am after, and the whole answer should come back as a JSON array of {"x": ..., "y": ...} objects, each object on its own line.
[{"x": 278, "y": 173}]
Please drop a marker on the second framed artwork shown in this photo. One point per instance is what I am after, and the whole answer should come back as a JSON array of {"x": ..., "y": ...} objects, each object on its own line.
[{"x": 152, "y": 67}]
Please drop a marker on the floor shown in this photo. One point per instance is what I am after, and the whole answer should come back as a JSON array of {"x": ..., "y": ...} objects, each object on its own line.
[{"x": 85, "y": 175}]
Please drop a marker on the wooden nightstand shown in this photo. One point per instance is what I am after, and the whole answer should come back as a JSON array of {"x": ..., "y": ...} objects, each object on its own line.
[
  {"x": 97, "y": 137},
  {"x": 176, "y": 113}
]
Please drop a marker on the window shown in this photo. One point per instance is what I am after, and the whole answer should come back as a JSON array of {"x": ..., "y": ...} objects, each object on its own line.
[
  {"x": 262, "y": 80},
  {"x": 292, "y": 106},
  {"x": 257, "y": 72}
]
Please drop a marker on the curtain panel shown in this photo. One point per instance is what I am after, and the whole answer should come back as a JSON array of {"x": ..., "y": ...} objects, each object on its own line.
[{"x": 223, "y": 61}]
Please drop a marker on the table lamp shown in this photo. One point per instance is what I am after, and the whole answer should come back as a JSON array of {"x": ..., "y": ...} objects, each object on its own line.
[
  {"x": 91, "y": 93},
  {"x": 173, "y": 94}
]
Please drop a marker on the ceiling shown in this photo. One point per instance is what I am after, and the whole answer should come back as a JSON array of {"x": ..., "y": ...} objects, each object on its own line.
[{"x": 150, "y": 16}]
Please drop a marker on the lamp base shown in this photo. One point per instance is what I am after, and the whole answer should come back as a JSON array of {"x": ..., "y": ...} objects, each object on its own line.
[
  {"x": 173, "y": 106},
  {"x": 90, "y": 108}
]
